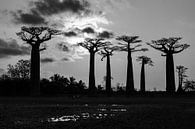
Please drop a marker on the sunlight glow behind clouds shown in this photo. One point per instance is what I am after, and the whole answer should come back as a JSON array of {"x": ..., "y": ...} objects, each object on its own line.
[{"x": 73, "y": 22}]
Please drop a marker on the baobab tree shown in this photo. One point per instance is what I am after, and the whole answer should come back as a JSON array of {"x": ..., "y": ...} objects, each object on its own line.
[
  {"x": 35, "y": 36},
  {"x": 144, "y": 61},
  {"x": 93, "y": 45},
  {"x": 130, "y": 46},
  {"x": 169, "y": 46},
  {"x": 181, "y": 70},
  {"x": 106, "y": 53}
]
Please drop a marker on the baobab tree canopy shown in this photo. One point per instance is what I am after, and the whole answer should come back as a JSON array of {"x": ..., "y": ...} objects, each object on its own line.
[
  {"x": 33, "y": 35},
  {"x": 169, "y": 45},
  {"x": 107, "y": 51},
  {"x": 129, "y": 41},
  {"x": 94, "y": 44},
  {"x": 145, "y": 60}
]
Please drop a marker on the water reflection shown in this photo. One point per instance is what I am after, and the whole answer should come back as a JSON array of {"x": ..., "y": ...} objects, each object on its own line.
[
  {"x": 100, "y": 111},
  {"x": 82, "y": 116},
  {"x": 64, "y": 118}
]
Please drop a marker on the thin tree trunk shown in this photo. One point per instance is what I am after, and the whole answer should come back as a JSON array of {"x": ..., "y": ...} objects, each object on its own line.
[
  {"x": 35, "y": 71},
  {"x": 92, "y": 87},
  {"x": 130, "y": 80},
  {"x": 179, "y": 90},
  {"x": 142, "y": 80},
  {"x": 108, "y": 77},
  {"x": 170, "y": 74}
]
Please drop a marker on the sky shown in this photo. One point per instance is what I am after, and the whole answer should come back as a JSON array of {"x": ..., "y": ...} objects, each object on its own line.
[{"x": 79, "y": 19}]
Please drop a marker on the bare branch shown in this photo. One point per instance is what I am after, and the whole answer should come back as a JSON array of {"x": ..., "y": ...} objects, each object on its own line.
[
  {"x": 42, "y": 49},
  {"x": 36, "y": 35},
  {"x": 182, "y": 47},
  {"x": 94, "y": 45}
]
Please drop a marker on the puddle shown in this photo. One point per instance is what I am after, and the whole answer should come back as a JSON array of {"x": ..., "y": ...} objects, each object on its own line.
[
  {"x": 101, "y": 111},
  {"x": 82, "y": 116},
  {"x": 86, "y": 105},
  {"x": 117, "y": 105},
  {"x": 119, "y": 110},
  {"x": 64, "y": 118},
  {"x": 113, "y": 110}
]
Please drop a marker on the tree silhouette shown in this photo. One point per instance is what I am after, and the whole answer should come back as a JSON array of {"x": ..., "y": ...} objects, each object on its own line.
[
  {"x": 106, "y": 53},
  {"x": 144, "y": 61},
  {"x": 129, "y": 46},
  {"x": 93, "y": 46},
  {"x": 189, "y": 85},
  {"x": 169, "y": 46},
  {"x": 35, "y": 36},
  {"x": 21, "y": 70},
  {"x": 181, "y": 70}
]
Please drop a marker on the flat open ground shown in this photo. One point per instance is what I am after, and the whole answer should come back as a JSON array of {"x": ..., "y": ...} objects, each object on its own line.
[{"x": 98, "y": 113}]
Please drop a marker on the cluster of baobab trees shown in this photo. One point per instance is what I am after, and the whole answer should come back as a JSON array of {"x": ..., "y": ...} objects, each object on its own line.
[{"x": 35, "y": 36}]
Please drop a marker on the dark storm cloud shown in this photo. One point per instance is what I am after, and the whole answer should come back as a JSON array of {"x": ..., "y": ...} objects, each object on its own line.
[
  {"x": 106, "y": 34},
  {"x": 49, "y": 7},
  {"x": 33, "y": 18},
  {"x": 63, "y": 47},
  {"x": 66, "y": 59},
  {"x": 70, "y": 34},
  {"x": 44, "y": 8},
  {"x": 11, "y": 48},
  {"x": 47, "y": 60},
  {"x": 88, "y": 30}
]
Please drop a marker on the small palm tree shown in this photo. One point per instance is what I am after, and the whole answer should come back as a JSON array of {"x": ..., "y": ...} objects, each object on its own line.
[{"x": 144, "y": 61}]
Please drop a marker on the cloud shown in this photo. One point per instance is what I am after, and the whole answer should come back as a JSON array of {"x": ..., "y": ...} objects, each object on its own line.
[
  {"x": 12, "y": 48},
  {"x": 47, "y": 60},
  {"x": 106, "y": 34},
  {"x": 63, "y": 47},
  {"x": 49, "y": 7},
  {"x": 70, "y": 34},
  {"x": 42, "y": 9},
  {"x": 88, "y": 30},
  {"x": 66, "y": 59},
  {"x": 33, "y": 18}
]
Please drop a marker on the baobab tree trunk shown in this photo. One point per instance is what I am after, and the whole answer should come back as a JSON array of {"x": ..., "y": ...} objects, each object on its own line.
[
  {"x": 108, "y": 77},
  {"x": 35, "y": 71},
  {"x": 130, "y": 81},
  {"x": 180, "y": 90},
  {"x": 92, "y": 87},
  {"x": 170, "y": 74},
  {"x": 142, "y": 78}
]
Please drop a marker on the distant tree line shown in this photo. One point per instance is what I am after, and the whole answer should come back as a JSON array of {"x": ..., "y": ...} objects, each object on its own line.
[
  {"x": 17, "y": 82},
  {"x": 35, "y": 36}
]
